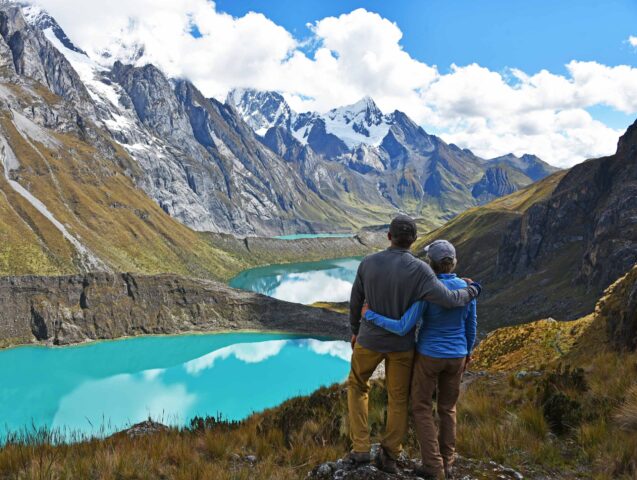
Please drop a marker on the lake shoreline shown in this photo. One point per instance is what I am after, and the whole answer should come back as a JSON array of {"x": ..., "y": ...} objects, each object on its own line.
[
  {"x": 89, "y": 342},
  {"x": 252, "y": 252}
]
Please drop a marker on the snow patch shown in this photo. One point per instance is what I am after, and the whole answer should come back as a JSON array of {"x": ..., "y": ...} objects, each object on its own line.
[
  {"x": 28, "y": 128},
  {"x": 90, "y": 72},
  {"x": 31, "y": 13},
  {"x": 10, "y": 162}
]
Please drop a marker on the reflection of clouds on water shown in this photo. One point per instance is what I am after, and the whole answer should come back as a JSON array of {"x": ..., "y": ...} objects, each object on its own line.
[
  {"x": 246, "y": 352},
  {"x": 153, "y": 373},
  {"x": 337, "y": 348},
  {"x": 122, "y": 399},
  {"x": 311, "y": 287}
]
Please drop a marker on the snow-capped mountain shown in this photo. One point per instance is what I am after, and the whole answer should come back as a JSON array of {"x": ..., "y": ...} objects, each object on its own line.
[
  {"x": 193, "y": 155},
  {"x": 251, "y": 165},
  {"x": 367, "y": 150},
  {"x": 260, "y": 110},
  {"x": 361, "y": 123}
]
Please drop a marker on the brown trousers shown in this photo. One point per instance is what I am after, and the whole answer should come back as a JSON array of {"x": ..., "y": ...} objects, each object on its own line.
[
  {"x": 437, "y": 448},
  {"x": 398, "y": 366}
]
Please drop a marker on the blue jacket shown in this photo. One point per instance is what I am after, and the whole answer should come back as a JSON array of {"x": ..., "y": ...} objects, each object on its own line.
[{"x": 443, "y": 333}]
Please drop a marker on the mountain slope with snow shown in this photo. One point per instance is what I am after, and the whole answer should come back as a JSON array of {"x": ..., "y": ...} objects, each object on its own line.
[
  {"x": 253, "y": 165},
  {"x": 382, "y": 158}
]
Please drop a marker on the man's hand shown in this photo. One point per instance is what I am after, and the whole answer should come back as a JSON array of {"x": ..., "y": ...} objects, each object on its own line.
[
  {"x": 468, "y": 280},
  {"x": 467, "y": 361},
  {"x": 364, "y": 310},
  {"x": 353, "y": 341}
]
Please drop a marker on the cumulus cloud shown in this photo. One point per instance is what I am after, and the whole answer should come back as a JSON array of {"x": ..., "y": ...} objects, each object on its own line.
[{"x": 357, "y": 54}]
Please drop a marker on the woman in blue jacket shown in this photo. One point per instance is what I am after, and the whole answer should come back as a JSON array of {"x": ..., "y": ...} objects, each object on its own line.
[{"x": 443, "y": 349}]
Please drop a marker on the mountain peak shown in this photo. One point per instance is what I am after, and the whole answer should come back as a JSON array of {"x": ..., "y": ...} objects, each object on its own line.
[
  {"x": 260, "y": 109},
  {"x": 364, "y": 105},
  {"x": 40, "y": 18}
]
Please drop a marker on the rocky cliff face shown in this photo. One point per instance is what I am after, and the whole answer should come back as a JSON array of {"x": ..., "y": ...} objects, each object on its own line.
[
  {"x": 551, "y": 250},
  {"x": 495, "y": 183},
  {"x": 592, "y": 212},
  {"x": 72, "y": 309}
]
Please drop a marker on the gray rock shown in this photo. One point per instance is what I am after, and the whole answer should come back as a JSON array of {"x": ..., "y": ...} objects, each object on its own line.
[
  {"x": 465, "y": 468},
  {"x": 73, "y": 309},
  {"x": 147, "y": 427}
]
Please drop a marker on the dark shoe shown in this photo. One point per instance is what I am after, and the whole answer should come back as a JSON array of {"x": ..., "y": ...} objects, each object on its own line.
[
  {"x": 386, "y": 463},
  {"x": 428, "y": 474},
  {"x": 358, "y": 457}
]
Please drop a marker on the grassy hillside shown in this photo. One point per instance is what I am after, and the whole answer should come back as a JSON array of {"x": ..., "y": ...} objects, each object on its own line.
[
  {"x": 580, "y": 387},
  {"x": 86, "y": 190}
]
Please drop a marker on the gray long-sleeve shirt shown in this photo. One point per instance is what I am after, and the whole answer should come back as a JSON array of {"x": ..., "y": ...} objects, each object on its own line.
[{"x": 391, "y": 281}]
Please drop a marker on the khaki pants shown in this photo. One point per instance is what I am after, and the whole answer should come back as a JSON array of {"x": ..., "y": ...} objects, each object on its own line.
[
  {"x": 398, "y": 366},
  {"x": 437, "y": 448}
]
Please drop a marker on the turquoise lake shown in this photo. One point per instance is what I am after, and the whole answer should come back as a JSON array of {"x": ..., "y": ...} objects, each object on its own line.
[
  {"x": 103, "y": 387},
  {"x": 299, "y": 236},
  {"x": 308, "y": 282}
]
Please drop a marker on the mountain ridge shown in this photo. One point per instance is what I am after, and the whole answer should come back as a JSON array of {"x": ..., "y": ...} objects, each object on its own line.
[
  {"x": 388, "y": 153},
  {"x": 350, "y": 167}
]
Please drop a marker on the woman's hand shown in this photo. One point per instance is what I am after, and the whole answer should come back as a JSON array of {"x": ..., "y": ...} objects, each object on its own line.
[{"x": 364, "y": 310}]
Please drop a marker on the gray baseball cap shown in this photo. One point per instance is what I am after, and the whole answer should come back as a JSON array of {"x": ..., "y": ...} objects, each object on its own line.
[{"x": 439, "y": 250}]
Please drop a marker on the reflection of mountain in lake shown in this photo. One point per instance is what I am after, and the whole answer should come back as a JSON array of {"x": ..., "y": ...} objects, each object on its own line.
[
  {"x": 310, "y": 282},
  {"x": 106, "y": 386}
]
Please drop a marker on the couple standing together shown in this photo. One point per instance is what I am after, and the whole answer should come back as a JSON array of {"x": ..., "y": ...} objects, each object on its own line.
[{"x": 394, "y": 295}]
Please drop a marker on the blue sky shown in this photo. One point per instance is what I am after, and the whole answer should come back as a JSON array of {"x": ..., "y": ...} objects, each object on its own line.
[{"x": 530, "y": 35}]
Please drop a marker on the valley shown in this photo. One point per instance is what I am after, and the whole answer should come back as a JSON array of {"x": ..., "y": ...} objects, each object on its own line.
[{"x": 170, "y": 257}]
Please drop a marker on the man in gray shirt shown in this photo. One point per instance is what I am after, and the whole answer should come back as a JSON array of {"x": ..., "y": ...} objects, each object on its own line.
[{"x": 390, "y": 282}]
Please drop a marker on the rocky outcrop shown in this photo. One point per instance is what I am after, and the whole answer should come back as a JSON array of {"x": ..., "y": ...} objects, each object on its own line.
[
  {"x": 618, "y": 308},
  {"x": 494, "y": 183},
  {"x": 72, "y": 309},
  {"x": 33, "y": 56},
  {"x": 464, "y": 468}
]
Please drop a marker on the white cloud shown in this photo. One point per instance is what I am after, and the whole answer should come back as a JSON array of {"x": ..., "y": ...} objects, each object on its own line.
[
  {"x": 312, "y": 287},
  {"x": 632, "y": 40},
  {"x": 335, "y": 348},
  {"x": 245, "y": 352},
  {"x": 358, "y": 54}
]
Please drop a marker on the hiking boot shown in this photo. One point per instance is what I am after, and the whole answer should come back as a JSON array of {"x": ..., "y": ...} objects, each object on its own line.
[
  {"x": 386, "y": 463},
  {"x": 358, "y": 457},
  {"x": 427, "y": 474}
]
